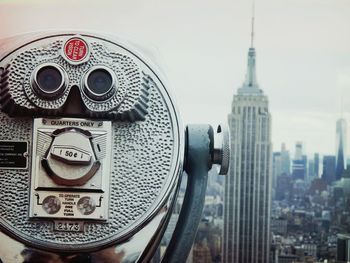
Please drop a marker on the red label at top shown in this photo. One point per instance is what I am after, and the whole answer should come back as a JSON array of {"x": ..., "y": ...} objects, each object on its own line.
[{"x": 76, "y": 49}]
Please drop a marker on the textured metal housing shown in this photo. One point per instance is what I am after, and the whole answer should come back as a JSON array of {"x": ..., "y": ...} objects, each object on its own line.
[{"x": 147, "y": 141}]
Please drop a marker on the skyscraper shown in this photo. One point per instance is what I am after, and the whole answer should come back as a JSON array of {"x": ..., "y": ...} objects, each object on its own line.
[
  {"x": 328, "y": 172},
  {"x": 248, "y": 185},
  {"x": 340, "y": 148},
  {"x": 316, "y": 164},
  {"x": 343, "y": 248},
  {"x": 298, "y": 151},
  {"x": 285, "y": 159},
  {"x": 311, "y": 170},
  {"x": 276, "y": 167},
  {"x": 299, "y": 165}
]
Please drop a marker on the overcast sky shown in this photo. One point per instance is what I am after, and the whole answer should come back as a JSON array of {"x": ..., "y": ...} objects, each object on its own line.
[{"x": 303, "y": 54}]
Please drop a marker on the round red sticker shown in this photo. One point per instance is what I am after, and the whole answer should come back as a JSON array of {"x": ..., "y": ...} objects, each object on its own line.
[{"x": 76, "y": 49}]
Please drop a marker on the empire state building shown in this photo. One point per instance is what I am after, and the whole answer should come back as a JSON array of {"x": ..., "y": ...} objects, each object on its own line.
[{"x": 248, "y": 184}]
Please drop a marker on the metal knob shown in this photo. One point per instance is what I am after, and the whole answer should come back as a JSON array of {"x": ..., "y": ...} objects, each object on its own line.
[{"x": 221, "y": 151}]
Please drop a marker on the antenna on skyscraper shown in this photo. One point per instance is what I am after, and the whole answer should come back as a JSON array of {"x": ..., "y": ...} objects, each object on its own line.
[
  {"x": 341, "y": 102},
  {"x": 253, "y": 17}
]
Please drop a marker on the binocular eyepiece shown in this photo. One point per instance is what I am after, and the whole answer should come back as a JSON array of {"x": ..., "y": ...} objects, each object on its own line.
[{"x": 92, "y": 151}]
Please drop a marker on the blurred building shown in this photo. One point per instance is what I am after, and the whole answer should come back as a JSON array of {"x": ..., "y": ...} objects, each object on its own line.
[
  {"x": 201, "y": 252},
  {"x": 279, "y": 226},
  {"x": 276, "y": 168},
  {"x": 340, "y": 148},
  {"x": 343, "y": 248},
  {"x": 280, "y": 166},
  {"x": 328, "y": 172},
  {"x": 298, "y": 151},
  {"x": 288, "y": 259},
  {"x": 248, "y": 185},
  {"x": 318, "y": 185},
  {"x": 285, "y": 159},
  {"x": 284, "y": 187},
  {"x": 207, "y": 245},
  {"x": 310, "y": 250},
  {"x": 316, "y": 164},
  {"x": 311, "y": 170},
  {"x": 344, "y": 183},
  {"x": 299, "y": 164}
]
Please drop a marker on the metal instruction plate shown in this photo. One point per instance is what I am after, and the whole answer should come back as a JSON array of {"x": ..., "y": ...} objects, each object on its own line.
[
  {"x": 69, "y": 205},
  {"x": 13, "y": 154}
]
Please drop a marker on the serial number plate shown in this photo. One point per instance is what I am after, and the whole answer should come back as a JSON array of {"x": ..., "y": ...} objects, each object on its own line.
[{"x": 69, "y": 226}]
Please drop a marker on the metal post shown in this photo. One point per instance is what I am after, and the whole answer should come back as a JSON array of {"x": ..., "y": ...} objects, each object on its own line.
[{"x": 198, "y": 162}]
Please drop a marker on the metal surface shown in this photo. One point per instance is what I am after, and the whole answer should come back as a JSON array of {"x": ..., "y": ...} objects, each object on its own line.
[
  {"x": 137, "y": 183},
  {"x": 198, "y": 162},
  {"x": 221, "y": 150},
  {"x": 76, "y": 155},
  {"x": 135, "y": 79},
  {"x": 135, "y": 249},
  {"x": 58, "y": 172}
]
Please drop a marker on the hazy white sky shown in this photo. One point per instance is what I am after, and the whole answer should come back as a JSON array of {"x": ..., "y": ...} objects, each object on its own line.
[{"x": 303, "y": 53}]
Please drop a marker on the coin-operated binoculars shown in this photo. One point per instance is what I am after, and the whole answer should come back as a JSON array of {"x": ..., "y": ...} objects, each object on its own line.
[{"x": 92, "y": 151}]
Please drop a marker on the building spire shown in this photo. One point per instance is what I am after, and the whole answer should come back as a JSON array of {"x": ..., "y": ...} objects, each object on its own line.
[
  {"x": 252, "y": 33},
  {"x": 250, "y": 85}
]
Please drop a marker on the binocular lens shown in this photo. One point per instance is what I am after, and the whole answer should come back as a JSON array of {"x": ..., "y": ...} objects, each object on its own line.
[
  {"x": 48, "y": 81},
  {"x": 99, "y": 83}
]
